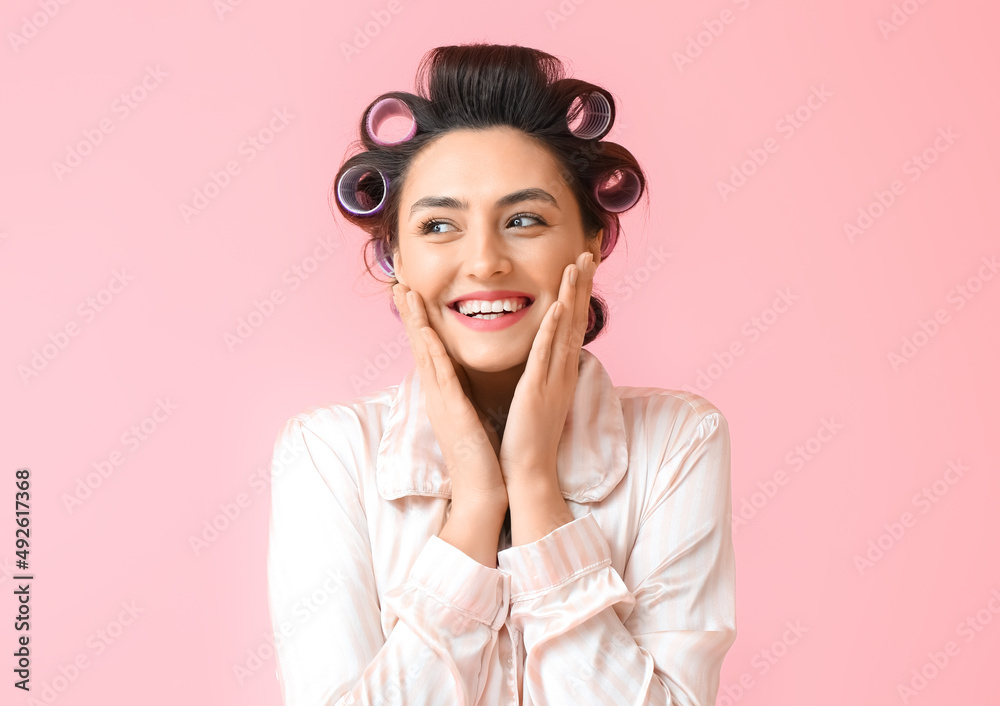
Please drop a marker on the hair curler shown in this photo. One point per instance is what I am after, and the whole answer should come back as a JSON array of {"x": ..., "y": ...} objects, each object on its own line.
[
  {"x": 384, "y": 110},
  {"x": 593, "y": 115},
  {"x": 384, "y": 258},
  {"x": 619, "y": 190},
  {"x": 355, "y": 187}
]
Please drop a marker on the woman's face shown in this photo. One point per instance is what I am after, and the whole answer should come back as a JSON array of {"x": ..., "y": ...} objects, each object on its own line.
[{"x": 487, "y": 210}]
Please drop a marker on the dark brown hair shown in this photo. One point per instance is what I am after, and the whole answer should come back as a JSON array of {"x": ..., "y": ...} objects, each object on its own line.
[{"x": 482, "y": 85}]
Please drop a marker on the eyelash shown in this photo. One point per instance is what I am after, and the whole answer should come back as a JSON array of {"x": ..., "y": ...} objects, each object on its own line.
[{"x": 425, "y": 227}]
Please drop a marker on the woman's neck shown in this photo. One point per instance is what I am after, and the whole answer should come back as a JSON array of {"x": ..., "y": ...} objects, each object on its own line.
[{"x": 492, "y": 393}]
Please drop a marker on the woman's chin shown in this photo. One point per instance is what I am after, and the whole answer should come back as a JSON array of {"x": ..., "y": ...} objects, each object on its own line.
[{"x": 490, "y": 360}]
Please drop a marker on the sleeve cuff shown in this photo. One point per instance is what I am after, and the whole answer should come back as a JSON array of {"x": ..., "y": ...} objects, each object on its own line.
[
  {"x": 578, "y": 547},
  {"x": 460, "y": 581}
]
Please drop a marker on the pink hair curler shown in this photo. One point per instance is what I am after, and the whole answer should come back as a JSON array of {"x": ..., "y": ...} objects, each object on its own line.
[
  {"x": 359, "y": 201},
  {"x": 591, "y": 116},
  {"x": 384, "y": 110},
  {"x": 619, "y": 191}
]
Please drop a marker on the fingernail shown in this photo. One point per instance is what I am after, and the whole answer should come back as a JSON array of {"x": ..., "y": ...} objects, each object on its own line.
[{"x": 572, "y": 275}]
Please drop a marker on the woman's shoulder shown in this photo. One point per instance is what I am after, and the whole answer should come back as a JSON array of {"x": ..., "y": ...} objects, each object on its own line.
[
  {"x": 660, "y": 402},
  {"x": 664, "y": 420},
  {"x": 345, "y": 420}
]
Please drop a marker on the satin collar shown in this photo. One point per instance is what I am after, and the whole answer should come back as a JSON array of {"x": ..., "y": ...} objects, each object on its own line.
[{"x": 592, "y": 456}]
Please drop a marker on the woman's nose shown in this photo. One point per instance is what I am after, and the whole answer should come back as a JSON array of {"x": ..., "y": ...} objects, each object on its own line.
[{"x": 485, "y": 254}]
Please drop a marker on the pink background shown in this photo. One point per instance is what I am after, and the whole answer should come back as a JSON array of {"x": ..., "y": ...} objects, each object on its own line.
[{"x": 213, "y": 80}]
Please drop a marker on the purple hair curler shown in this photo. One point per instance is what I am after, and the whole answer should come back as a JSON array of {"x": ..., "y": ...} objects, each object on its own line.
[
  {"x": 386, "y": 264},
  {"x": 359, "y": 201},
  {"x": 384, "y": 110},
  {"x": 619, "y": 191},
  {"x": 384, "y": 259},
  {"x": 592, "y": 117}
]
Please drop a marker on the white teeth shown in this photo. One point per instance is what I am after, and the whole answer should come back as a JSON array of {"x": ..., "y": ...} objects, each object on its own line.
[{"x": 478, "y": 306}]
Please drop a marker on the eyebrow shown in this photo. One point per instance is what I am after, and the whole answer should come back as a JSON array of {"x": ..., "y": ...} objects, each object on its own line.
[{"x": 532, "y": 194}]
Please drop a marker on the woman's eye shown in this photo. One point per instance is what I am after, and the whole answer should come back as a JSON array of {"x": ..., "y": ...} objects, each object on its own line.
[
  {"x": 523, "y": 220},
  {"x": 519, "y": 221},
  {"x": 431, "y": 226}
]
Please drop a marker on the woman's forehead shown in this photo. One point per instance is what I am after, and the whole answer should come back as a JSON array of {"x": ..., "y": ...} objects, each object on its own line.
[{"x": 481, "y": 165}]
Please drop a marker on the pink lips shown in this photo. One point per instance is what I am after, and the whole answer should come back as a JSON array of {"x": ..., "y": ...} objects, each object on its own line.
[{"x": 501, "y": 322}]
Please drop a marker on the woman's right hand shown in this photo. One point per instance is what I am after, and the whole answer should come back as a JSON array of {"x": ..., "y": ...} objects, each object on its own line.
[{"x": 469, "y": 452}]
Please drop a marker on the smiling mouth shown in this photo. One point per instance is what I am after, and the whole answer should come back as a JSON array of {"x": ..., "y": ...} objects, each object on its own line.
[{"x": 491, "y": 315}]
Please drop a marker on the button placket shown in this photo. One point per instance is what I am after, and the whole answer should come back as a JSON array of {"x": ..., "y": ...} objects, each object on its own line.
[{"x": 515, "y": 661}]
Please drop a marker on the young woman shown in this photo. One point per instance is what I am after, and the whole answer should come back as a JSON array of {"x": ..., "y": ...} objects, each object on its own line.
[{"x": 504, "y": 526}]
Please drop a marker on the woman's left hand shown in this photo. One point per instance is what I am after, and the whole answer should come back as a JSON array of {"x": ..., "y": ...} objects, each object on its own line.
[{"x": 545, "y": 392}]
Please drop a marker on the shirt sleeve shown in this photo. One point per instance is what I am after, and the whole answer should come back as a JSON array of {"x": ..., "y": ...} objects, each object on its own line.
[
  {"x": 325, "y": 613},
  {"x": 657, "y": 634}
]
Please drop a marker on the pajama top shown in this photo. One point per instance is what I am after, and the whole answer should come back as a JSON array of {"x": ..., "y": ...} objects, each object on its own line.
[{"x": 632, "y": 602}]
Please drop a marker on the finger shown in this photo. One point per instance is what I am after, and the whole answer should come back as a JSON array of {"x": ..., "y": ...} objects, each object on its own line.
[
  {"x": 430, "y": 372},
  {"x": 563, "y": 337},
  {"x": 540, "y": 355},
  {"x": 399, "y": 298},
  {"x": 444, "y": 368},
  {"x": 584, "y": 288},
  {"x": 463, "y": 378},
  {"x": 545, "y": 348},
  {"x": 418, "y": 345},
  {"x": 456, "y": 402},
  {"x": 416, "y": 305},
  {"x": 446, "y": 377},
  {"x": 581, "y": 316}
]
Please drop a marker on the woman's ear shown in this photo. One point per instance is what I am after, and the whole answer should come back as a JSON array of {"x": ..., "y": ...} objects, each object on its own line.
[{"x": 594, "y": 246}]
